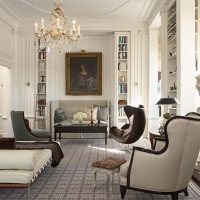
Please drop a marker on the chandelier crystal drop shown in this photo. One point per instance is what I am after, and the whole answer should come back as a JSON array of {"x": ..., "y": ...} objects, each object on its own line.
[{"x": 57, "y": 35}]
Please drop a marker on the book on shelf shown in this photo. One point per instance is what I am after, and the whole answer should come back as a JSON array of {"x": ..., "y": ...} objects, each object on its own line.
[
  {"x": 122, "y": 39},
  {"x": 41, "y": 102},
  {"x": 41, "y": 88},
  {"x": 41, "y": 111},
  {"x": 121, "y": 112},
  {"x": 122, "y": 55},
  {"x": 123, "y": 88},
  {"x": 122, "y": 47},
  {"x": 42, "y": 55}
]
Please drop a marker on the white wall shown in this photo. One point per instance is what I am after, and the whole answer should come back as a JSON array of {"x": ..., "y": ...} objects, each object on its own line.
[
  {"x": 153, "y": 79},
  {"x": 5, "y": 93},
  {"x": 186, "y": 55},
  {"x": 56, "y": 67},
  {"x": 104, "y": 43},
  {"x": 7, "y": 26}
]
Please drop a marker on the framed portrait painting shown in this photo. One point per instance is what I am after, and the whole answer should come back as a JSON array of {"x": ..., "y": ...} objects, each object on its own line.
[{"x": 84, "y": 73}]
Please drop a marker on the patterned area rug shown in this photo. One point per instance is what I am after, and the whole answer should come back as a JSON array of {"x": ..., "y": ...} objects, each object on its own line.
[{"x": 73, "y": 178}]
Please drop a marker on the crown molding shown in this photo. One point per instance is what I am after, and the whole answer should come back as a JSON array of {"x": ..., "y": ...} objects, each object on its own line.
[
  {"x": 157, "y": 7},
  {"x": 93, "y": 25},
  {"x": 147, "y": 9},
  {"x": 9, "y": 15},
  {"x": 11, "y": 10}
]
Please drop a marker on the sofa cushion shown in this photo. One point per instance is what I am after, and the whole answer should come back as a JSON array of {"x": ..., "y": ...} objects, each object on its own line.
[
  {"x": 16, "y": 176},
  {"x": 7, "y": 143},
  {"x": 40, "y": 159},
  {"x": 17, "y": 159}
]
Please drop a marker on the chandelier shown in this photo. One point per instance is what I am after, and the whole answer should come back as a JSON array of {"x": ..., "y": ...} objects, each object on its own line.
[{"x": 57, "y": 35}]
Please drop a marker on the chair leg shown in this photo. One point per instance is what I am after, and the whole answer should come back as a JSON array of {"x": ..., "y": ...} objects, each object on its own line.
[
  {"x": 123, "y": 191},
  {"x": 186, "y": 192},
  {"x": 174, "y": 196},
  {"x": 29, "y": 192}
]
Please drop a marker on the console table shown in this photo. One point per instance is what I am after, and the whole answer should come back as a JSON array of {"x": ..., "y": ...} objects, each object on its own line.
[{"x": 80, "y": 128}]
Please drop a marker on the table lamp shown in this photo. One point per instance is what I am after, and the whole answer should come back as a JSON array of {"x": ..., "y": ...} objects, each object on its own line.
[{"x": 165, "y": 101}]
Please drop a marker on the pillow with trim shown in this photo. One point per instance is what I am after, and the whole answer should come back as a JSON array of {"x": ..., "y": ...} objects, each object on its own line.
[
  {"x": 87, "y": 111},
  {"x": 103, "y": 112}
]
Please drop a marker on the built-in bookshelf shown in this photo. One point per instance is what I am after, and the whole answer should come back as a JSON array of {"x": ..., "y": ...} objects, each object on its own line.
[
  {"x": 172, "y": 55},
  {"x": 41, "y": 105},
  {"x": 122, "y": 75}
]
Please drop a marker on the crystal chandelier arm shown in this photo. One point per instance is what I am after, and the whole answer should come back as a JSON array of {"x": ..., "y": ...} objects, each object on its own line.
[{"x": 57, "y": 35}]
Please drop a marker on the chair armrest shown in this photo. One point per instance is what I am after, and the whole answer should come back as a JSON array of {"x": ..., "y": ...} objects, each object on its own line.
[
  {"x": 17, "y": 159},
  {"x": 26, "y": 122}
]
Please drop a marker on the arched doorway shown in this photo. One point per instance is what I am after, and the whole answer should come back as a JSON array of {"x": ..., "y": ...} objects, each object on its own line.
[{"x": 5, "y": 105}]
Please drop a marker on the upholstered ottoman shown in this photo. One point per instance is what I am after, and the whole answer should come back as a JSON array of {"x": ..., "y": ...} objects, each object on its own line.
[{"x": 109, "y": 166}]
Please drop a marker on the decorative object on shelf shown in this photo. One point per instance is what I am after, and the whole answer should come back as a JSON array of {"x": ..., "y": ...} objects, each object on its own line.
[
  {"x": 84, "y": 73},
  {"x": 58, "y": 35},
  {"x": 122, "y": 79},
  {"x": 80, "y": 116},
  {"x": 122, "y": 102}
]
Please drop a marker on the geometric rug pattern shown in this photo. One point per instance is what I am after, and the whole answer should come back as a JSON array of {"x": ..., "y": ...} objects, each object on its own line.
[{"x": 72, "y": 179}]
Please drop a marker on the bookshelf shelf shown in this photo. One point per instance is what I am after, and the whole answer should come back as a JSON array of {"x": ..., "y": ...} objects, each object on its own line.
[
  {"x": 40, "y": 100},
  {"x": 122, "y": 74}
]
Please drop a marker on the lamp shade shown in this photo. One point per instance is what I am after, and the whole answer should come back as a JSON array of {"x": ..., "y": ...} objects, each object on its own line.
[{"x": 167, "y": 101}]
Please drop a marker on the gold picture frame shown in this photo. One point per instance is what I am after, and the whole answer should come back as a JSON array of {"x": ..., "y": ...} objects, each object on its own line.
[{"x": 84, "y": 73}]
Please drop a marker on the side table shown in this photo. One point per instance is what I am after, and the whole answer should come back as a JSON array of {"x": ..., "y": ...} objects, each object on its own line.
[{"x": 154, "y": 138}]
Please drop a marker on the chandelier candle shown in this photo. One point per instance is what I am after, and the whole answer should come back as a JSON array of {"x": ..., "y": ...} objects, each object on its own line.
[{"x": 58, "y": 35}]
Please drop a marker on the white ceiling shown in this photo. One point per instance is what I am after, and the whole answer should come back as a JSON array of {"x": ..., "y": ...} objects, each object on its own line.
[{"x": 132, "y": 10}]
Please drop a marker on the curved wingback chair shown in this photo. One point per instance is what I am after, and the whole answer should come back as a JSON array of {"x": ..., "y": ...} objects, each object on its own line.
[
  {"x": 169, "y": 170},
  {"x": 130, "y": 133},
  {"x": 22, "y": 131}
]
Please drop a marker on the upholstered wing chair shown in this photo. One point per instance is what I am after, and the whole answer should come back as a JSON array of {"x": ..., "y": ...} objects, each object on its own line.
[
  {"x": 169, "y": 170},
  {"x": 22, "y": 131}
]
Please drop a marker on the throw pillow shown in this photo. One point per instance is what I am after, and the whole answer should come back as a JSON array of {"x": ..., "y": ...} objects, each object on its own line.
[
  {"x": 88, "y": 113},
  {"x": 59, "y": 118},
  {"x": 59, "y": 111},
  {"x": 7, "y": 143},
  {"x": 103, "y": 112},
  {"x": 59, "y": 115}
]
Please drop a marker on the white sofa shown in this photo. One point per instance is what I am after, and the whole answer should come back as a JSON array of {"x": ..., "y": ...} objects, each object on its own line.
[
  {"x": 70, "y": 107},
  {"x": 19, "y": 168}
]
